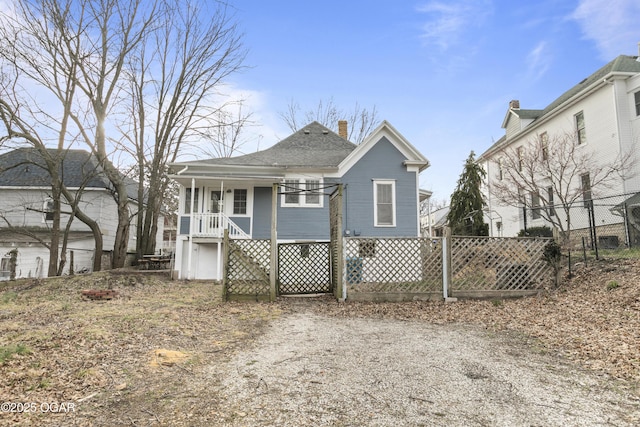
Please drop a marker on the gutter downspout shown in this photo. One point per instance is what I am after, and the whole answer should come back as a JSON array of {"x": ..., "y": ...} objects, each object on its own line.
[{"x": 191, "y": 221}]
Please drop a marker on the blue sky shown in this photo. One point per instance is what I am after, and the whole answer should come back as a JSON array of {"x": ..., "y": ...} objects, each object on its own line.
[{"x": 441, "y": 72}]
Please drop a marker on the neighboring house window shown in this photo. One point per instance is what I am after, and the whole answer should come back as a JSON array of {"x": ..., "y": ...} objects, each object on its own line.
[
  {"x": 637, "y": 101},
  {"x": 586, "y": 189},
  {"x": 240, "y": 202},
  {"x": 4, "y": 267},
  {"x": 384, "y": 195},
  {"x": 187, "y": 200},
  {"x": 552, "y": 209},
  {"x": 544, "y": 146},
  {"x": 535, "y": 205},
  {"x": 520, "y": 160},
  {"x": 302, "y": 193},
  {"x": 580, "y": 128},
  {"x": 500, "y": 169},
  {"x": 47, "y": 209}
]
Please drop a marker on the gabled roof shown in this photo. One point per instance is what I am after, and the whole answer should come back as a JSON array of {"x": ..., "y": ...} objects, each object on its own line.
[
  {"x": 25, "y": 167},
  {"x": 522, "y": 114},
  {"x": 623, "y": 65},
  {"x": 312, "y": 146},
  {"x": 412, "y": 155}
]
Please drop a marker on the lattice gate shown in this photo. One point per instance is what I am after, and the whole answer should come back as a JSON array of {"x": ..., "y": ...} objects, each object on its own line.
[
  {"x": 304, "y": 268},
  {"x": 247, "y": 269}
]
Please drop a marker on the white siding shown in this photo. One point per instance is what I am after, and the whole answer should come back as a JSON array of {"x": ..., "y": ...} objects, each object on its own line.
[{"x": 610, "y": 124}]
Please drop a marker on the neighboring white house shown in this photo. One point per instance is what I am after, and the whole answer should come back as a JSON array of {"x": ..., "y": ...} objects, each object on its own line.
[
  {"x": 26, "y": 212},
  {"x": 602, "y": 113}
]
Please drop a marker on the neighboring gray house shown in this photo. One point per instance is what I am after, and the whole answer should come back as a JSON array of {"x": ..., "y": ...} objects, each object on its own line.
[
  {"x": 26, "y": 211},
  {"x": 381, "y": 195}
]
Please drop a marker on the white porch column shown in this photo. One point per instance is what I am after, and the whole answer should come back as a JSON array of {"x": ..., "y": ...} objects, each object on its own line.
[{"x": 193, "y": 184}]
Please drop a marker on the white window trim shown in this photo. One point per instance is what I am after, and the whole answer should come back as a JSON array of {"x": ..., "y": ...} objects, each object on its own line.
[
  {"x": 302, "y": 200},
  {"x": 393, "y": 202}
]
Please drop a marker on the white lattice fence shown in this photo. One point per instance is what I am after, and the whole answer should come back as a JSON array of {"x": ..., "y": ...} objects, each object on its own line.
[
  {"x": 504, "y": 264},
  {"x": 411, "y": 265},
  {"x": 248, "y": 266}
]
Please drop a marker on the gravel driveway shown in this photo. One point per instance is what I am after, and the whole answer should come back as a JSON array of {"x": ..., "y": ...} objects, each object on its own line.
[{"x": 310, "y": 370}]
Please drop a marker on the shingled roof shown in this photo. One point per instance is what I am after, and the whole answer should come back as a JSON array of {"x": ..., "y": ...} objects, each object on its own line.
[
  {"x": 25, "y": 167},
  {"x": 623, "y": 64},
  {"x": 312, "y": 146}
]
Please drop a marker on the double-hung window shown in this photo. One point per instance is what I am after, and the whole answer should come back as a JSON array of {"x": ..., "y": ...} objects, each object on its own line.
[
  {"x": 47, "y": 209},
  {"x": 535, "y": 205},
  {"x": 187, "y": 200},
  {"x": 586, "y": 189},
  {"x": 552, "y": 209},
  {"x": 544, "y": 146},
  {"x": 581, "y": 132},
  {"x": 519, "y": 153},
  {"x": 301, "y": 193},
  {"x": 636, "y": 99},
  {"x": 240, "y": 202},
  {"x": 384, "y": 201}
]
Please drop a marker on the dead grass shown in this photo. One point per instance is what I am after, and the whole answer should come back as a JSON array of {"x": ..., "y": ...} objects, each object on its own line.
[
  {"x": 99, "y": 354},
  {"x": 60, "y": 347}
]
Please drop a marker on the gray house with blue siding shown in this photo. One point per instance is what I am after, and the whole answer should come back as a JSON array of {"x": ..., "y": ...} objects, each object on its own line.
[{"x": 379, "y": 177}]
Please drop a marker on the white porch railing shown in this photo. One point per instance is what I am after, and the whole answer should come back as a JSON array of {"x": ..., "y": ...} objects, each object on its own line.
[{"x": 214, "y": 224}]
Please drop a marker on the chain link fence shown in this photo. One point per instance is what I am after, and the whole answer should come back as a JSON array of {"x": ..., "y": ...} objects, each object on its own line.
[{"x": 590, "y": 227}]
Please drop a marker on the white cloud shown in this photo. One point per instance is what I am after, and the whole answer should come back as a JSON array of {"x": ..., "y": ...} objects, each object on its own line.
[
  {"x": 538, "y": 61},
  {"x": 449, "y": 21},
  {"x": 611, "y": 24}
]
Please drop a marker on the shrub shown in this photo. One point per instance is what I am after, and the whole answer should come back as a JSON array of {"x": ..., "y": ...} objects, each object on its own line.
[{"x": 542, "y": 231}]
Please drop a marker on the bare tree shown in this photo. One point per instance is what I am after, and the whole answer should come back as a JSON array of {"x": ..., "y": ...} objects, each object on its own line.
[
  {"x": 88, "y": 43},
  {"x": 550, "y": 175},
  {"x": 174, "y": 78},
  {"x": 361, "y": 121},
  {"x": 226, "y": 137}
]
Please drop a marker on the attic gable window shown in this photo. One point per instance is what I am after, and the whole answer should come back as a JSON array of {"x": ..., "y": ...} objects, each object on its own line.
[{"x": 581, "y": 132}]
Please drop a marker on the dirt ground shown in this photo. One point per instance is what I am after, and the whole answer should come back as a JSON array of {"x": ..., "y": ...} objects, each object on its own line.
[{"x": 171, "y": 353}]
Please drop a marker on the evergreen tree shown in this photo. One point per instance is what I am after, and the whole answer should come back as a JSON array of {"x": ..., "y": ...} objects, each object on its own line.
[{"x": 465, "y": 213}]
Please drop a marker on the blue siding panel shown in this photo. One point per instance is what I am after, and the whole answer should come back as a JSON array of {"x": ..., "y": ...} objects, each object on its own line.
[
  {"x": 243, "y": 222},
  {"x": 261, "y": 213},
  {"x": 383, "y": 161},
  {"x": 304, "y": 223}
]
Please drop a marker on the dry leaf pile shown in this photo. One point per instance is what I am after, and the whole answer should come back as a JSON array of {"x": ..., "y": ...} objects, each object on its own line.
[{"x": 57, "y": 346}]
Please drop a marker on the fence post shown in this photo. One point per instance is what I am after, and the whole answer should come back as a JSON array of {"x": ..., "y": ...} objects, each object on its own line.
[
  {"x": 592, "y": 220},
  {"x": 274, "y": 244},
  {"x": 446, "y": 262},
  {"x": 225, "y": 263}
]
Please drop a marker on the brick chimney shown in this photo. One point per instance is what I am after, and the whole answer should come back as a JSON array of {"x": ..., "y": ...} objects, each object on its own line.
[
  {"x": 342, "y": 129},
  {"x": 514, "y": 105}
]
